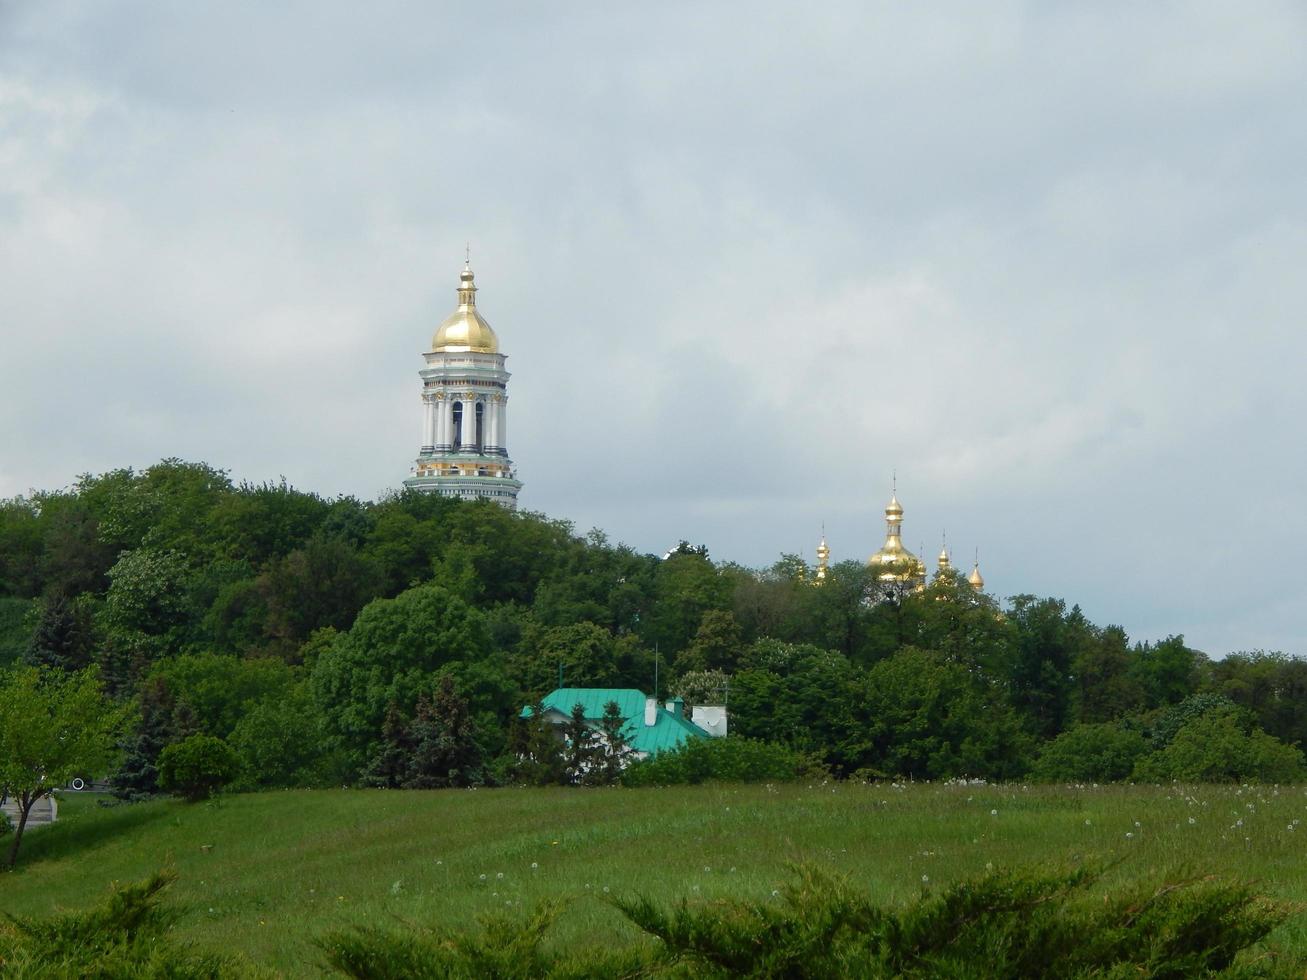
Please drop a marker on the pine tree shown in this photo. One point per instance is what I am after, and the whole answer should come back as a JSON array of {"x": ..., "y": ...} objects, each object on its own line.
[
  {"x": 63, "y": 637},
  {"x": 391, "y": 765},
  {"x": 614, "y": 750},
  {"x": 138, "y": 774},
  {"x": 539, "y": 752},
  {"x": 582, "y": 753},
  {"x": 445, "y": 749}
]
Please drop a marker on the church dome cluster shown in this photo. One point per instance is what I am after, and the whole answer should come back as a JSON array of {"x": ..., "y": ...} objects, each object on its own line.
[{"x": 893, "y": 564}]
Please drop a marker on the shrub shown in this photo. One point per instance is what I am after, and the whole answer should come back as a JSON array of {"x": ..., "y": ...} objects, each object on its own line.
[
  {"x": 735, "y": 760},
  {"x": 1091, "y": 753},
  {"x": 1221, "y": 746},
  {"x": 125, "y": 936},
  {"x": 197, "y": 767},
  {"x": 1003, "y": 924}
]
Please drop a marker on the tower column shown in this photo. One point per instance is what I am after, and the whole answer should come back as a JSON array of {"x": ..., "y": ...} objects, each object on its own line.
[
  {"x": 502, "y": 423},
  {"x": 428, "y": 435},
  {"x": 442, "y": 425}
]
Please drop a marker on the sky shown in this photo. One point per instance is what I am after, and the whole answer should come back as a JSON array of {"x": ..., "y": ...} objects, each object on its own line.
[{"x": 1045, "y": 261}]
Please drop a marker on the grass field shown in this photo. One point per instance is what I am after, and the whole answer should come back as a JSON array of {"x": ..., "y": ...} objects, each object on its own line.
[{"x": 267, "y": 873}]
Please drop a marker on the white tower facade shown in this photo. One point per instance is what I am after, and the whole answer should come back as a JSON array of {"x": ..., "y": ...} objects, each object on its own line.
[{"x": 465, "y": 410}]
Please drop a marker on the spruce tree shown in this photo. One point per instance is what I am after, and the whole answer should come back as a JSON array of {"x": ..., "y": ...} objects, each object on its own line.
[
  {"x": 614, "y": 751},
  {"x": 582, "y": 752},
  {"x": 391, "y": 765}
]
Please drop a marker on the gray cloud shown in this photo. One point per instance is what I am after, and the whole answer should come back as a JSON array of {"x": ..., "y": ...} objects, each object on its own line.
[{"x": 1043, "y": 259}]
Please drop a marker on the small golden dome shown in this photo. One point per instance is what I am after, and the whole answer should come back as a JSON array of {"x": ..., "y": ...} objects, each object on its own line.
[
  {"x": 975, "y": 578},
  {"x": 894, "y": 508},
  {"x": 465, "y": 329}
]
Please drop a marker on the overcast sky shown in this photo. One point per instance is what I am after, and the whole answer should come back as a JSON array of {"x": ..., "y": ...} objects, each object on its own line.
[{"x": 1046, "y": 260}]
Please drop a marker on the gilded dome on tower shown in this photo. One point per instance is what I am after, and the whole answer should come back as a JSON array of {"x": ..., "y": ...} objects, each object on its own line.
[
  {"x": 466, "y": 329},
  {"x": 893, "y": 562}
]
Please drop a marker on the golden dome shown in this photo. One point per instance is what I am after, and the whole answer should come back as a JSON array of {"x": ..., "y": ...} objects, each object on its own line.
[
  {"x": 975, "y": 578},
  {"x": 465, "y": 329},
  {"x": 893, "y": 561}
]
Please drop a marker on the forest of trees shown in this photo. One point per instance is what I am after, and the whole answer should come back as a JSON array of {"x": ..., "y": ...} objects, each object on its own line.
[{"x": 317, "y": 638}]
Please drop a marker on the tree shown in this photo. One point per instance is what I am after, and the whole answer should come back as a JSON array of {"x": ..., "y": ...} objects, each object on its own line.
[
  {"x": 1104, "y": 752},
  {"x": 64, "y": 636},
  {"x": 389, "y": 655},
  {"x": 581, "y": 752},
  {"x": 445, "y": 748},
  {"x": 613, "y": 749},
  {"x": 1221, "y": 746},
  {"x": 197, "y": 767},
  {"x": 53, "y": 726}
]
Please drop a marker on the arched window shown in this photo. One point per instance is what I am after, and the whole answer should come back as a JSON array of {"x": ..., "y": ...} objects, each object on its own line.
[
  {"x": 458, "y": 425},
  {"x": 481, "y": 427}
]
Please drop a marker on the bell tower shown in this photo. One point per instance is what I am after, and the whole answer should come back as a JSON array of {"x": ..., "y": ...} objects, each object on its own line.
[{"x": 465, "y": 409}]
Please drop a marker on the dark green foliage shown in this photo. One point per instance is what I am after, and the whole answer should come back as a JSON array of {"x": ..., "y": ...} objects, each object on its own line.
[
  {"x": 126, "y": 936},
  {"x": 535, "y": 752},
  {"x": 197, "y": 767},
  {"x": 15, "y": 628},
  {"x": 580, "y": 747},
  {"x": 392, "y": 651},
  {"x": 503, "y": 947},
  {"x": 1221, "y": 746},
  {"x": 733, "y": 759},
  {"x": 1005, "y": 924},
  {"x": 923, "y": 716},
  {"x": 64, "y": 637},
  {"x": 174, "y": 575},
  {"x": 614, "y": 753},
  {"x": 1012, "y": 924},
  {"x": 137, "y": 776},
  {"x": 1091, "y": 753},
  {"x": 438, "y": 749}
]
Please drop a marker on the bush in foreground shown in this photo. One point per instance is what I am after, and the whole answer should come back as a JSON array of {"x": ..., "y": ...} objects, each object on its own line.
[
  {"x": 125, "y": 936},
  {"x": 1004, "y": 924},
  {"x": 734, "y": 760}
]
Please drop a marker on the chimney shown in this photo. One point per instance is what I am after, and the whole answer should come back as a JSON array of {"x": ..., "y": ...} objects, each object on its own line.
[
  {"x": 675, "y": 706},
  {"x": 650, "y": 711}
]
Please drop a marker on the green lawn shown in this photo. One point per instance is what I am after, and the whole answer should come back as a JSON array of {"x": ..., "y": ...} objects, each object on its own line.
[{"x": 266, "y": 873}]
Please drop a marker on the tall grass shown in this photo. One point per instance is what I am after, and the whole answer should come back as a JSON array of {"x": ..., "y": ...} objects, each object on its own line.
[{"x": 266, "y": 873}]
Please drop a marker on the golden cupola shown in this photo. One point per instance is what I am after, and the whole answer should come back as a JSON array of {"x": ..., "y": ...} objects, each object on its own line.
[
  {"x": 893, "y": 562},
  {"x": 466, "y": 330},
  {"x": 823, "y": 559},
  {"x": 975, "y": 579},
  {"x": 943, "y": 562}
]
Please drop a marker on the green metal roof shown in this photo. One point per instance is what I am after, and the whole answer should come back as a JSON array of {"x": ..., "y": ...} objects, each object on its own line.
[{"x": 668, "y": 732}]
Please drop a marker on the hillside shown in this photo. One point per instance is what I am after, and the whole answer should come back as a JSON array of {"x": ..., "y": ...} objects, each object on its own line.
[{"x": 266, "y": 873}]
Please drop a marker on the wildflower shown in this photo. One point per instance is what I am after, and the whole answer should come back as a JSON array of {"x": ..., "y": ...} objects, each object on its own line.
[
  {"x": 500, "y": 875},
  {"x": 925, "y": 879},
  {"x": 993, "y": 813},
  {"x": 535, "y": 865},
  {"x": 1086, "y": 821},
  {"x": 483, "y": 877},
  {"x": 1193, "y": 820},
  {"x": 1129, "y": 835}
]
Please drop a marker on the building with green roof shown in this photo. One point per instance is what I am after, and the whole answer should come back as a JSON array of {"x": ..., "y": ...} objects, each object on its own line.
[{"x": 650, "y": 727}]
